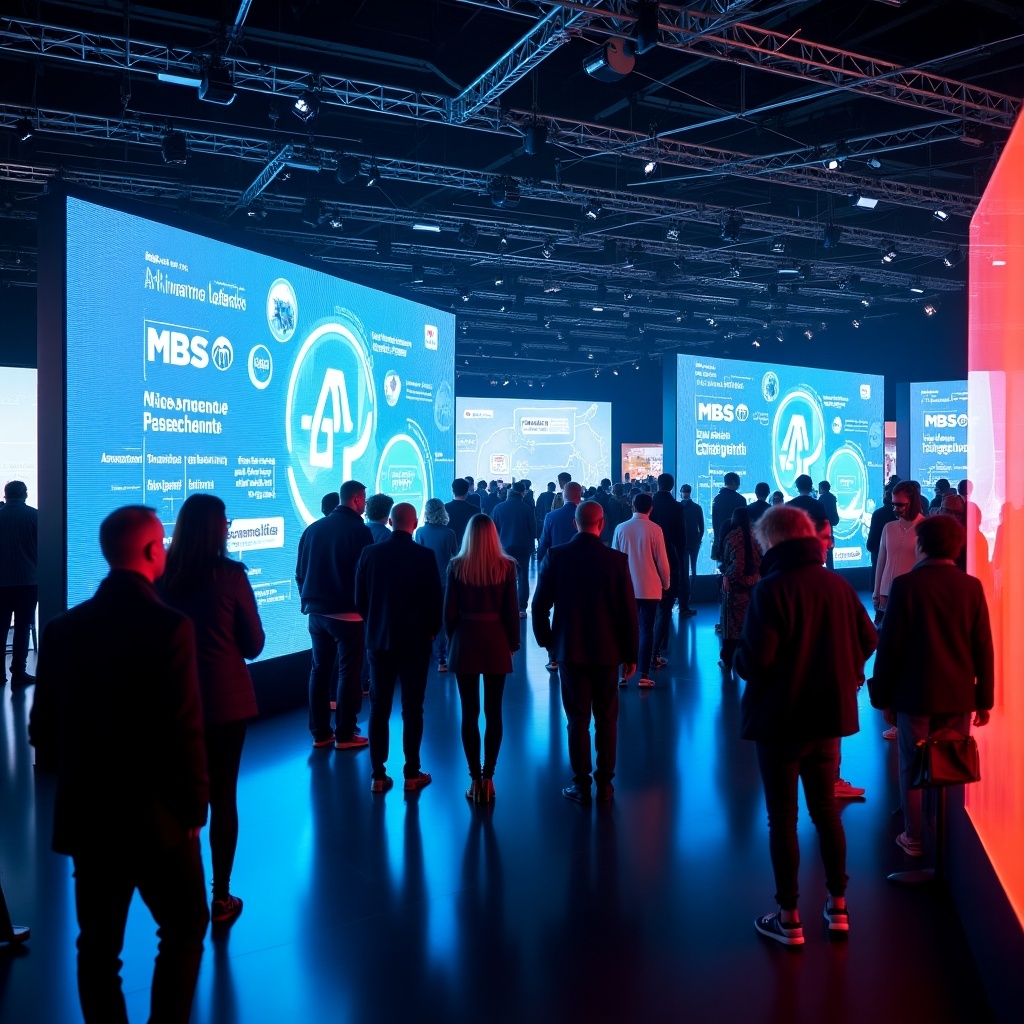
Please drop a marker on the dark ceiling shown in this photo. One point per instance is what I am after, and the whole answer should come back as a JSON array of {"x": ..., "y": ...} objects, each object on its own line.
[{"x": 476, "y": 117}]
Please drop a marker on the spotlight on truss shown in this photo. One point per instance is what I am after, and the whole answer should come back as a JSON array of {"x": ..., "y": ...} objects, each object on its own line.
[{"x": 306, "y": 106}]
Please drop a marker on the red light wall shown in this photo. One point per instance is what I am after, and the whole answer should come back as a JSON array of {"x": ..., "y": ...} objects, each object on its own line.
[{"x": 996, "y": 467}]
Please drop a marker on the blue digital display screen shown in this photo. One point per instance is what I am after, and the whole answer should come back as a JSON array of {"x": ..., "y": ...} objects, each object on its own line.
[
  {"x": 194, "y": 365},
  {"x": 509, "y": 438},
  {"x": 773, "y": 423},
  {"x": 938, "y": 432}
]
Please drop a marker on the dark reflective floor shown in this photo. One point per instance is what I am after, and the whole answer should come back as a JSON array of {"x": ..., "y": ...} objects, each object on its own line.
[{"x": 425, "y": 908}]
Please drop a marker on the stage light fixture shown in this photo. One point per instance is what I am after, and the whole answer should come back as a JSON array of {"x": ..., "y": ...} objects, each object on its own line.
[
  {"x": 888, "y": 252},
  {"x": 627, "y": 293},
  {"x": 503, "y": 241},
  {"x": 672, "y": 233},
  {"x": 216, "y": 85},
  {"x": 930, "y": 309},
  {"x": 547, "y": 250},
  {"x": 612, "y": 61},
  {"x": 646, "y": 29},
  {"x": 831, "y": 236},
  {"x": 636, "y": 364},
  {"x": 650, "y": 168},
  {"x": 855, "y": 323},
  {"x": 23, "y": 129},
  {"x": 418, "y": 277},
  {"x": 590, "y": 355},
  {"x": 874, "y": 163},
  {"x": 954, "y": 257},
  {"x": 468, "y": 235},
  {"x": 866, "y": 302},
  {"x": 434, "y": 229},
  {"x": 731, "y": 228},
  {"x": 334, "y": 221},
  {"x": 779, "y": 245},
  {"x": 591, "y": 209},
  {"x": 734, "y": 269},
  {"x": 597, "y": 309},
  {"x": 499, "y": 278},
  {"x": 917, "y": 288},
  {"x": 615, "y": 372},
  {"x": 808, "y": 334},
  {"x": 256, "y": 213},
  {"x": 348, "y": 170},
  {"x": 505, "y": 194},
  {"x": 791, "y": 271},
  {"x": 174, "y": 148},
  {"x": 373, "y": 175},
  {"x": 940, "y": 215},
  {"x": 535, "y": 137},
  {"x": 864, "y": 202},
  {"x": 306, "y": 106},
  {"x": 464, "y": 294}
]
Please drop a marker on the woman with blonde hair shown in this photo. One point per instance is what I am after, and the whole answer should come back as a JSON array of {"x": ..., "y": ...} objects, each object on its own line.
[{"x": 481, "y": 619}]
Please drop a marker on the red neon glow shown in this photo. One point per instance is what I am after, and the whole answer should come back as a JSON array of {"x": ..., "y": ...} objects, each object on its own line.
[{"x": 995, "y": 463}]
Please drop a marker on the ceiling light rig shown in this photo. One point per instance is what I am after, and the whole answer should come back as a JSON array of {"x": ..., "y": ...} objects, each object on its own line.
[
  {"x": 174, "y": 148},
  {"x": 863, "y": 202},
  {"x": 591, "y": 209},
  {"x": 307, "y": 106},
  {"x": 930, "y": 309},
  {"x": 954, "y": 257},
  {"x": 468, "y": 235},
  {"x": 348, "y": 170},
  {"x": 888, "y": 252},
  {"x": 373, "y": 175},
  {"x": 940, "y": 215},
  {"x": 547, "y": 250},
  {"x": 831, "y": 236},
  {"x": 23, "y": 129},
  {"x": 731, "y": 228},
  {"x": 505, "y": 194}
]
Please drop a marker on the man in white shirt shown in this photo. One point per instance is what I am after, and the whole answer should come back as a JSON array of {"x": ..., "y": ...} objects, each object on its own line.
[{"x": 644, "y": 545}]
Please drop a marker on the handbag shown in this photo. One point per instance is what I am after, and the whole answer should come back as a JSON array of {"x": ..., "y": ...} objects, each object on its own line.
[{"x": 946, "y": 758}]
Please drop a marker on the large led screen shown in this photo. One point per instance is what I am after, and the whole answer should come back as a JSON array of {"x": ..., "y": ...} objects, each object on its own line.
[
  {"x": 194, "y": 365},
  {"x": 938, "y": 432},
  {"x": 773, "y": 423},
  {"x": 505, "y": 438},
  {"x": 18, "y": 428}
]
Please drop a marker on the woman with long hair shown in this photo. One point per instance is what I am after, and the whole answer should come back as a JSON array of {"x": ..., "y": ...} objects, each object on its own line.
[
  {"x": 481, "y": 619},
  {"x": 215, "y": 593},
  {"x": 740, "y": 559}
]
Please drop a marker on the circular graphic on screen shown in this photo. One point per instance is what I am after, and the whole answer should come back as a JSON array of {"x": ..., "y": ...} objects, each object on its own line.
[
  {"x": 742, "y": 413},
  {"x": 261, "y": 366},
  {"x": 875, "y": 434},
  {"x": 444, "y": 406},
  {"x": 392, "y": 388},
  {"x": 798, "y": 438},
  {"x": 330, "y": 416},
  {"x": 837, "y": 425},
  {"x": 222, "y": 354},
  {"x": 848, "y": 475},
  {"x": 282, "y": 310},
  {"x": 402, "y": 472},
  {"x": 770, "y": 386}
]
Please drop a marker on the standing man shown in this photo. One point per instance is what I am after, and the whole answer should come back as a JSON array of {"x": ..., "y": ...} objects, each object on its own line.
[
  {"x": 378, "y": 508},
  {"x": 19, "y": 581},
  {"x": 544, "y": 504},
  {"x": 725, "y": 501},
  {"x": 472, "y": 496},
  {"x": 828, "y": 502},
  {"x": 760, "y": 505},
  {"x": 802, "y": 651},
  {"x": 593, "y": 632},
  {"x": 807, "y": 501},
  {"x": 398, "y": 593},
  {"x": 559, "y": 499},
  {"x": 643, "y": 543},
  {"x": 325, "y": 571},
  {"x": 132, "y": 785},
  {"x": 515, "y": 523},
  {"x": 693, "y": 520},
  {"x": 942, "y": 488},
  {"x": 668, "y": 514},
  {"x": 560, "y": 523},
  {"x": 459, "y": 510},
  {"x": 935, "y": 664}
]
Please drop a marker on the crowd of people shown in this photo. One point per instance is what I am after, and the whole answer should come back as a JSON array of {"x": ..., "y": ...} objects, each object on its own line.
[{"x": 383, "y": 591}]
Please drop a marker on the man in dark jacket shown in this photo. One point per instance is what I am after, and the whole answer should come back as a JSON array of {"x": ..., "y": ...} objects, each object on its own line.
[
  {"x": 882, "y": 515},
  {"x": 544, "y": 504},
  {"x": 329, "y": 551},
  {"x": 760, "y": 505},
  {"x": 459, "y": 510},
  {"x": 935, "y": 663},
  {"x": 515, "y": 523},
  {"x": 398, "y": 593},
  {"x": 560, "y": 523},
  {"x": 727, "y": 499},
  {"x": 132, "y": 786},
  {"x": 668, "y": 514},
  {"x": 693, "y": 519},
  {"x": 594, "y": 630},
  {"x": 19, "y": 589},
  {"x": 805, "y": 500},
  {"x": 802, "y": 652}
]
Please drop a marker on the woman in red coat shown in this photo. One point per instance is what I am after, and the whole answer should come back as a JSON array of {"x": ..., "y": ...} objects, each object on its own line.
[{"x": 481, "y": 619}]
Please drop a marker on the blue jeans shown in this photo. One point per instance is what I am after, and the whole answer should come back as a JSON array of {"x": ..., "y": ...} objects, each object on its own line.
[
  {"x": 342, "y": 640},
  {"x": 648, "y": 609},
  {"x": 410, "y": 665},
  {"x": 910, "y": 729},
  {"x": 782, "y": 765}
]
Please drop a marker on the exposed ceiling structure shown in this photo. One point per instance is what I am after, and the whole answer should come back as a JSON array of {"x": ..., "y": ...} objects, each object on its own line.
[{"x": 587, "y": 183}]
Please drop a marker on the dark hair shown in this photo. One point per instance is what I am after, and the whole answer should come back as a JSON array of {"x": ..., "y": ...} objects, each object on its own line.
[
  {"x": 942, "y": 484},
  {"x": 731, "y": 479},
  {"x": 803, "y": 482},
  {"x": 460, "y": 488},
  {"x": 964, "y": 488},
  {"x": 551, "y": 485},
  {"x": 824, "y": 486},
  {"x": 378, "y": 506},
  {"x": 120, "y": 529},
  {"x": 15, "y": 490},
  {"x": 912, "y": 489},
  {"x": 605, "y": 482},
  {"x": 741, "y": 522},
  {"x": 643, "y": 503},
  {"x": 618, "y": 490},
  {"x": 198, "y": 545},
  {"x": 666, "y": 482},
  {"x": 940, "y": 536},
  {"x": 519, "y": 487},
  {"x": 329, "y": 502},
  {"x": 350, "y": 489},
  {"x": 686, "y": 489},
  {"x": 762, "y": 490},
  {"x": 564, "y": 478}
]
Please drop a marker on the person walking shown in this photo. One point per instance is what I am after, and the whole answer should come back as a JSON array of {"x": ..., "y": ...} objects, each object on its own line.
[
  {"x": 481, "y": 619},
  {"x": 214, "y": 592}
]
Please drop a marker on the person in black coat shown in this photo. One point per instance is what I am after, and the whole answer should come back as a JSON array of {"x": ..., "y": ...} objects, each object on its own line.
[
  {"x": 215, "y": 594},
  {"x": 881, "y": 515},
  {"x": 805, "y": 639},
  {"x": 722, "y": 506},
  {"x": 398, "y": 594},
  {"x": 132, "y": 787},
  {"x": 516, "y": 525},
  {"x": 459, "y": 509},
  {"x": 693, "y": 520},
  {"x": 481, "y": 619},
  {"x": 935, "y": 661},
  {"x": 594, "y": 630},
  {"x": 668, "y": 514}
]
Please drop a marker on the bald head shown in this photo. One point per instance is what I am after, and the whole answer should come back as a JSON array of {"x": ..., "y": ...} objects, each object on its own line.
[
  {"x": 133, "y": 538},
  {"x": 590, "y": 517},
  {"x": 573, "y": 492},
  {"x": 403, "y": 517}
]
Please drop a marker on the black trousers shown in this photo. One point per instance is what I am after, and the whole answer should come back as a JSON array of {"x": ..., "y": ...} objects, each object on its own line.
[
  {"x": 21, "y": 603},
  {"x": 469, "y": 695},
  {"x": 591, "y": 690},
  {"x": 387, "y": 668},
  {"x": 170, "y": 882},
  {"x": 224, "y": 743}
]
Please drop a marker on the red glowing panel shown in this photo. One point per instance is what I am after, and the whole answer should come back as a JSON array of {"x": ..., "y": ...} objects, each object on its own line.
[{"x": 995, "y": 464}]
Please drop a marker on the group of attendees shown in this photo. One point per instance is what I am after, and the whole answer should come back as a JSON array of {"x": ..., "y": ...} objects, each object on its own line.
[{"x": 139, "y": 767}]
